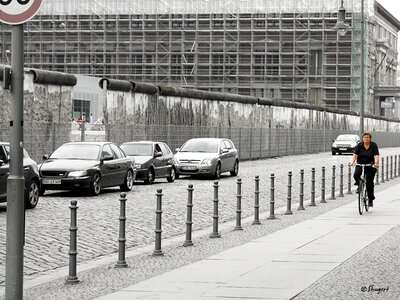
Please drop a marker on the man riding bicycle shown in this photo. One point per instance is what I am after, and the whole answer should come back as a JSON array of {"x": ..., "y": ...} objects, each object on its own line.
[{"x": 366, "y": 152}]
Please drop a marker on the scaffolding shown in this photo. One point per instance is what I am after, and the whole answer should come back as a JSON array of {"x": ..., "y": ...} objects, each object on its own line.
[{"x": 277, "y": 49}]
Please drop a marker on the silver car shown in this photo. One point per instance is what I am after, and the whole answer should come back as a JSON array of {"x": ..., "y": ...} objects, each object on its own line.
[
  {"x": 345, "y": 143},
  {"x": 207, "y": 156}
]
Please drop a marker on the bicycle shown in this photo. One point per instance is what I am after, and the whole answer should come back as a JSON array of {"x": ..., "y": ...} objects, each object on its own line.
[{"x": 362, "y": 189}]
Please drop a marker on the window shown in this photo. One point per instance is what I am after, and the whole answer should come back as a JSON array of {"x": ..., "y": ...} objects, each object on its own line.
[
  {"x": 80, "y": 108},
  {"x": 106, "y": 151},
  {"x": 228, "y": 144},
  {"x": 165, "y": 150},
  {"x": 117, "y": 152},
  {"x": 315, "y": 62}
]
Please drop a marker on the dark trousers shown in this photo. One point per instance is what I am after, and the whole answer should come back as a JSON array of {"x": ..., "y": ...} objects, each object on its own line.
[{"x": 369, "y": 175}]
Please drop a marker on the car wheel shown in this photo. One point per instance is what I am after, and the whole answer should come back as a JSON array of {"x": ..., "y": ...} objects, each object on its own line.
[
  {"x": 217, "y": 173},
  {"x": 95, "y": 185},
  {"x": 235, "y": 170},
  {"x": 150, "y": 177},
  {"x": 128, "y": 183},
  {"x": 32, "y": 194},
  {"x": 172, "y": 175}
]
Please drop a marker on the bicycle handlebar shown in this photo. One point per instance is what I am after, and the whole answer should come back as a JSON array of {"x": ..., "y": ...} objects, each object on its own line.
[{"x": 364, "y": 165}]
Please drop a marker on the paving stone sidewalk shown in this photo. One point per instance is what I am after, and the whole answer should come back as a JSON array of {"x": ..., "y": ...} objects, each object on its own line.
[{"x": 105, "y": 279}]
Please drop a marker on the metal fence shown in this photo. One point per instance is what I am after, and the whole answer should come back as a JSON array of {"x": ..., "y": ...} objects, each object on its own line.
[{"x": 253, "y": 143}]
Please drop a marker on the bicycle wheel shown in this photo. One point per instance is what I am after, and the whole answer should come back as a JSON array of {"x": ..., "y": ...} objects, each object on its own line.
[
  {"x": 361, "y": 197},
  {"x": 365, "y": 198}
]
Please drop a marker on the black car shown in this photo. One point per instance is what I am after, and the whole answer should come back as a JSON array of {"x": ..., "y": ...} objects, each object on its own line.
[
  {"x": 31, "y": 175},
  {"x": 152, "y": 159},
  {"x": 87, "y": 165}
]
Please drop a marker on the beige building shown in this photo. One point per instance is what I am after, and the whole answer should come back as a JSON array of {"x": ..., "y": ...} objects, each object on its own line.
[{"x": 273, "y": 49}]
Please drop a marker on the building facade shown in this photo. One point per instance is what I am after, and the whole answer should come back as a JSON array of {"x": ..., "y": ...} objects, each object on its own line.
[{"x": 273, "y": 49}]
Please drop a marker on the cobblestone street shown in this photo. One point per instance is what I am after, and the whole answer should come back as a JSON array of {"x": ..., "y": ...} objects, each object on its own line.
[{"x": 47, "y": 226}]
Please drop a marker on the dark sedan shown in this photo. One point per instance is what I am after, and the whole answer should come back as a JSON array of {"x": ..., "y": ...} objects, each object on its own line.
[
  {"x": 153, "y": 160},
  {"x": 87, "y": 165},
  {"x": 31, "y": 175}
]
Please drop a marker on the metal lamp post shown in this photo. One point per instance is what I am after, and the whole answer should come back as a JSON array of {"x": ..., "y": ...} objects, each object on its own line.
[{"x": 341, "y": 27}]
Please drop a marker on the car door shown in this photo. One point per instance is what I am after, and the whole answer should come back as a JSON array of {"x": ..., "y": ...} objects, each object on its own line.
[
  {"x": 121, "y": 164},
  {"x": 166, "y": 159},
  {"x": 159, "y": 165},
  {"x": 108, "y": 167},
  {"x": 224, "y": 157},
  {"x": 4, "y": 169},
  {"x": 231, "y": 157}
]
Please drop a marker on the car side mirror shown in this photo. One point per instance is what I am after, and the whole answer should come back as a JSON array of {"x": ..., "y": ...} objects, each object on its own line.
[
  {"x": 45, "y": 157},
  {"x": 158, "y": 154},
  {"x": 177, "y": 149},
  {"x": 225, "y": 150},
  {"x": 108, "y": 157},
  {"x": 333, "y": 140}
]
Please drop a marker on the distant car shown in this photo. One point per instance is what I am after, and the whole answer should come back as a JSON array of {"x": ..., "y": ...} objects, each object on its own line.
[
  {"x": 87, "y": 165},
  {"x": 207, "y": 156},
  {"x": 345, "y": 143},
  {"x": 152, "y": 160},
  {"x": 31, "y": 175}
]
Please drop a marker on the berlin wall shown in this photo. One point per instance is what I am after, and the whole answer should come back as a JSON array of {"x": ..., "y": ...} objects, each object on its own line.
[
  {"x": 47, "y": 110},
  {"x": 129, "y": 108}
]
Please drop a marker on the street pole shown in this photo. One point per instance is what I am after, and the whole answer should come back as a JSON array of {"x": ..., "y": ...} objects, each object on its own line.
[
  {"x": 362, "y": 71},
  {"x": 15, "y": 181}
]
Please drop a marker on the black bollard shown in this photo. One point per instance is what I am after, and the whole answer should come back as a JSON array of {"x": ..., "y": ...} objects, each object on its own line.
[
  {"x": 188, "y": 242},
  {"x": 323, "y": 186},
  {"x": 289, "y": 195},
  {"x": 256, "y": 201},
  {"x": 301, "y": 199},
  {"x": 239, "y": 205},
  {"x": 395, "y": 167},
  {"x": 121, "y": 263},
  {"x": 272, "y": 199},
  {"x": 333, "y": 183},
  {"x": 72, "y": 278},
  {"x": 215, "y": 233},
  {"x": 383, "y": 170},
  {"x": 157, "y": 250},
  {"x": 312, "y": 203},
  {"x": 341, "y": 181},
  {"x": 349, "y": 181},
  {"x": 391, "y": 167},
  {"x": 387, "y": 168}
]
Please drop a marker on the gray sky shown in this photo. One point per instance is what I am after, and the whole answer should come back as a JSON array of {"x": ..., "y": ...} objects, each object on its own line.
[{"x": 392, "y": 6}]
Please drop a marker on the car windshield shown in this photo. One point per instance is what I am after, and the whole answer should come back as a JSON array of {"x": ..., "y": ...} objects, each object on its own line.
[
  {"x": 347, "y": 138},
  {"x": 138, "y": 149},
  {"x": 208, "y": 146},
  {"x": 77, "y": 151}
]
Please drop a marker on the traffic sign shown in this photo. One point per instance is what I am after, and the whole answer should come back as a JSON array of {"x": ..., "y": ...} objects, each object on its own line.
[{"x": 16, "y": 12}]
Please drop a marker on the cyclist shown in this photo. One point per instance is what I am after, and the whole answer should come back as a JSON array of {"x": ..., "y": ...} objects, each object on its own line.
[{"x": 366, "y": 152}]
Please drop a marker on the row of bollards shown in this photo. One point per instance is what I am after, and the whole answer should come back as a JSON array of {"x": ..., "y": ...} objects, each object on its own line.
[{"x": 389, "y": 171}]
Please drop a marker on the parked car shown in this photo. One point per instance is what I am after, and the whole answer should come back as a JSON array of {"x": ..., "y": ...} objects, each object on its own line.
[
  {"x": 87, "y": 165},
  {"x": 345, "y": 143},
  {"x": 207, "y": 156},
  {"x": 31, "y": 175},
  {"x": 152, "y": 160}
]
